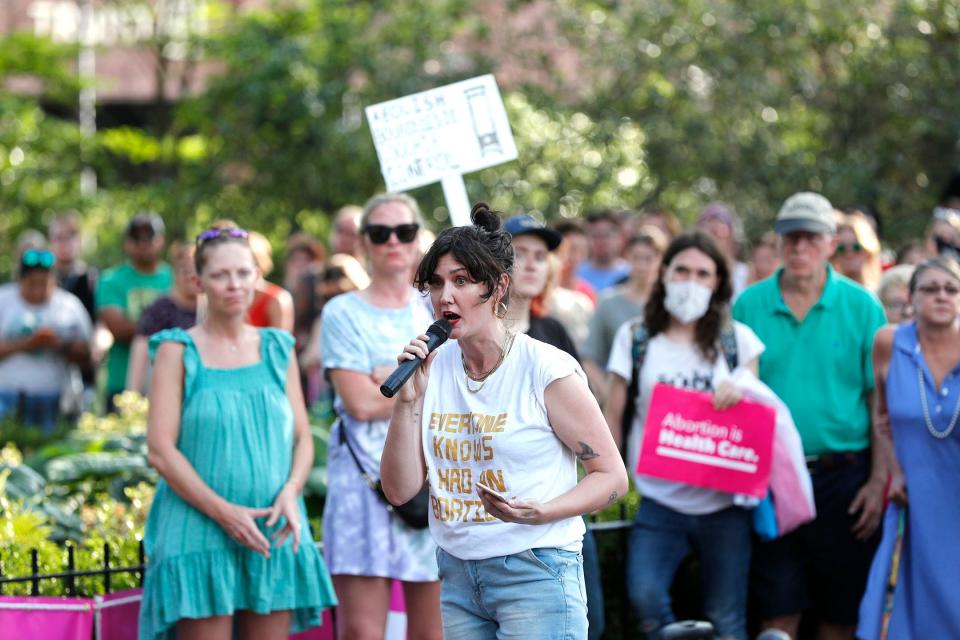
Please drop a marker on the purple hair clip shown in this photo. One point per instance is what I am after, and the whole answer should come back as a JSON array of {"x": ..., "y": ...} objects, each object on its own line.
[{"x": 230, "y": 232}]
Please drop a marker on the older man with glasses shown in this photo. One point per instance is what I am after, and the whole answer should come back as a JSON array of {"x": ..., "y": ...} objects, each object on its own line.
[
  {"x": 818, "y": 328},
  {"x": 42, "y": 330}
]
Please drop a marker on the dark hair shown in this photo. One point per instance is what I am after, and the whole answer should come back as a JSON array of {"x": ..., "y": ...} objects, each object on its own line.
[
  {"x": 707, "y": 332},
  {"x": 650, "y": 237},
  {"x": 204, "y": 245},
  {"x": 670, "y": 221},
  {"x": 951, "y": 190},
  {"x": 940, "y": 262},
  {"x": 604, "y": 215},
  {"x": 902, "y": 252},
  {"x": 568, "y": 226},
  {"x": 70, "y": 217},
  {"x": 483, "y": 248}
]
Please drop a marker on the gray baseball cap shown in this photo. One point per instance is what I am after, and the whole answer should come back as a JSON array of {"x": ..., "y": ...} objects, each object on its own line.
[{"x": 806, "y": 211}]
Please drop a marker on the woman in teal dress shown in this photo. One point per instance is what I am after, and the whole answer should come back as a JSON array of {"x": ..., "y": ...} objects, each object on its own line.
[{"x": 227, "y": 538}]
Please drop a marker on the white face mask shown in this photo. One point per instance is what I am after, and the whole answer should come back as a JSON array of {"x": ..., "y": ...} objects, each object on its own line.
[{"x": 687, "y": 300}]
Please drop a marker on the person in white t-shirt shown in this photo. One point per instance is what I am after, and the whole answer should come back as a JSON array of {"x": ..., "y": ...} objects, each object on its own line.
[
  {"x": 687, "y": 312},
  {"x": 496, "y": 421},
  {"x": 42, "y": 329}
]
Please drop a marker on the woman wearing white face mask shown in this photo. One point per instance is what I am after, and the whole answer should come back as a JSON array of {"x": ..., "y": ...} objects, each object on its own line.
[{"x": 686, "y": 321}]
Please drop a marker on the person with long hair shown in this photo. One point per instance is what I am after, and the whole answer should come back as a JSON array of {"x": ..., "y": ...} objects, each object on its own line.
[
  {"x": 227, "y": 537},
  {"x": 913, "y": 577},
  {"x": 688, "y": 310},
  {"x": 272, "y": 304},
  {"x": 366, "y": 544},
  {"x": 857, "y": 255},
  {"x": 495, "y": 421}
]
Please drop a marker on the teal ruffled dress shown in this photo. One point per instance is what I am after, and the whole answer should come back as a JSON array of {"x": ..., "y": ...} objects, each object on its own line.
[{"x": 236, "y": 430}]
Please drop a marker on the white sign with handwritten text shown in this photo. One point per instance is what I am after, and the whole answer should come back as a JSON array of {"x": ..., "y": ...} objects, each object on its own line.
[{"x": 452, "y": 130}]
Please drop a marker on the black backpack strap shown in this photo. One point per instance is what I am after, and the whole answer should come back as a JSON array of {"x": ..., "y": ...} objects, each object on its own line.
[
  {"x": 639, "y": 340},
  {"x": 728, "y": 344}
]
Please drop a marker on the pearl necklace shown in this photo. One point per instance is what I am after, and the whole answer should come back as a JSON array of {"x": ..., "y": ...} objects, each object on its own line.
[
  {"x": 483, "y": 377},
  {"x": 939, "y": 435}
]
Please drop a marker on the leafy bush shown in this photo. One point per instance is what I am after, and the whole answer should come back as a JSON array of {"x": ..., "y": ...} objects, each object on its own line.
[{"x": 88, "y": 488}]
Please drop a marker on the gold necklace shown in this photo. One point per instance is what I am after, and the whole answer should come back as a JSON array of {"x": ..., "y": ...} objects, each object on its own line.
[{"x": 482, "y": 378}]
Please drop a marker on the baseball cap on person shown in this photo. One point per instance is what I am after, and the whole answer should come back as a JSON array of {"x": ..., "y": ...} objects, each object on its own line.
[
  {"x": 144, "y": 225},
  {"x": 519, "y": 225},
  {"x": 806, "y": 211}
]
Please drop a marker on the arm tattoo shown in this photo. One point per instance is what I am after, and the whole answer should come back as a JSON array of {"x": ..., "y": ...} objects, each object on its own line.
[
  {"x": 586, "y": 452},
  {"x": 613, "y": 497}
]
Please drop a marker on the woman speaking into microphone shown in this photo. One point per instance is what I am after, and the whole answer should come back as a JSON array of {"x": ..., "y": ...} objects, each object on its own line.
[{"x": 495, "y": 421}]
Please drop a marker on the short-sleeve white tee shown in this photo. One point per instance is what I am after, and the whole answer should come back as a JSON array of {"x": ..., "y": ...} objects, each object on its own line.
[
  {"x": 681, "y": 365},
  {"x": 40, "y": 370},
  {"x": 499, "y": 436}
]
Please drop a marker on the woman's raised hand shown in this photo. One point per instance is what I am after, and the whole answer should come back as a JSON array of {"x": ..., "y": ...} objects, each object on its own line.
[
  {"x": 240, "y": 524},
  {"x": 416, "y": 386}
]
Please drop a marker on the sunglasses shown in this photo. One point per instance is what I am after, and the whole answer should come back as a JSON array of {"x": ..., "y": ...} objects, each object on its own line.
[
  {"x": 380, "y": 234},
  {"x": 228, "y": 232},
  {"x": 934, "y": 289},
  {"x": 37, "y": 258},
  {"x": 853, "y": 247}
]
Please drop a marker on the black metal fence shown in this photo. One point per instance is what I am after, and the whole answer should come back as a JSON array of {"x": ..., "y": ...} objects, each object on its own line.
[{"x": 70, "y": 573}]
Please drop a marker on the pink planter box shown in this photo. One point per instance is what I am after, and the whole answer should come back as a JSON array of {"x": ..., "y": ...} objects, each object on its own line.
[{"x": 28, "y": 618}]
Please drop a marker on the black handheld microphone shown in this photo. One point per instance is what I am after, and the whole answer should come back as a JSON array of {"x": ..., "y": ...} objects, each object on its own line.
[{"x": 438, "y": 333}]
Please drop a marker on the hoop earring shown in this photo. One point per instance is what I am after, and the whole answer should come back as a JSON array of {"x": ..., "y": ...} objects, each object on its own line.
[{"x": 500, "y": 310}]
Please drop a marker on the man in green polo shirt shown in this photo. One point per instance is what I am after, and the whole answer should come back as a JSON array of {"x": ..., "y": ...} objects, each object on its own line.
[
  {"x": 818, "y": 329},
  {"x": 127, "y": 289}
]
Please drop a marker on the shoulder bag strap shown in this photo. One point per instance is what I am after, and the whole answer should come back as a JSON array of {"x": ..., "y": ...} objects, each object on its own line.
[
  {"x": 728, "y": 343},
  {"x": 363, "y": 472},
  {"x": 640, "y": 338}
]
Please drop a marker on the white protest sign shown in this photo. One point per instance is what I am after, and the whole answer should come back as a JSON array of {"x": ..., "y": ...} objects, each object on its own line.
[{"x": 441, "y": 134}]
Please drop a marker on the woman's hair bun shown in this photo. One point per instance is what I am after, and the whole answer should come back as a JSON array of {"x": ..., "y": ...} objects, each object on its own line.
[{"x": 482, "y": 216}]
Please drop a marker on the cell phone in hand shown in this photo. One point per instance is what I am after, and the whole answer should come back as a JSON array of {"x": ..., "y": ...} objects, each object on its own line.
[{"x": 496, "y": 495}]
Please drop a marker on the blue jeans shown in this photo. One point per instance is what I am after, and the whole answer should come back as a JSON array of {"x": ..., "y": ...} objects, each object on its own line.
[
  {"x": 537, "y": 594},
  {"x": 33, "y": 409},
  {"x": 594, "y": 587},
  {"x": 661, "y": 538}
]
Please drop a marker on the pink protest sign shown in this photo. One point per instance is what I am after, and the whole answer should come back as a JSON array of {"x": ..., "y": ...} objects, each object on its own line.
[{"x": 686, "y": 440}]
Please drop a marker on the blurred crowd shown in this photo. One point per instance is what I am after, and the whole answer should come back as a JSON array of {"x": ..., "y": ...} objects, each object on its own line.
[{"x": 74, "y": 335}]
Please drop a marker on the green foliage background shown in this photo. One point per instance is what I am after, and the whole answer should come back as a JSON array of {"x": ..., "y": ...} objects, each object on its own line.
[{"x": 674, "y": 102}]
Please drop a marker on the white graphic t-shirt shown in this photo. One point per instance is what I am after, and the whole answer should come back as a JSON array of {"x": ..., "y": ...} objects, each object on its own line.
[
  {"x": 500, "y": 437},
  {"x": 681, "y": 365}
]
